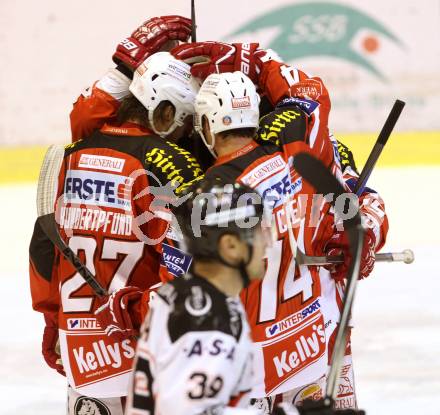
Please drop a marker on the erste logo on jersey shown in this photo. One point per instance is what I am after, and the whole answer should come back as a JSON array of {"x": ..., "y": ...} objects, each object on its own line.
[{"x": 98, "y": 189}]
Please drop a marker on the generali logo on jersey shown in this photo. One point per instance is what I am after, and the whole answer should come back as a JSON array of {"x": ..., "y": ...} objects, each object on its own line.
[
  {"x": 239, "y": 103},
  {"x": 92, "y": 161},
  {"x": 263, "y": 171}
]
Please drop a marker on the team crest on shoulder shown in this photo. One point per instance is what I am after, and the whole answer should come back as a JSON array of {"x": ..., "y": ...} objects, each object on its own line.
[
  {"x": 90, "y": 406},
  {"x": 198, "y": 302}
]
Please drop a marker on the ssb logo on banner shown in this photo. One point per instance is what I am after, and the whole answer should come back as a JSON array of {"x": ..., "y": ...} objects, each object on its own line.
[{"x": 310, "y": 29}]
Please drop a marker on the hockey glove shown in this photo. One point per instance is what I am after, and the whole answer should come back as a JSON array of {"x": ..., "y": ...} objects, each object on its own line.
[
  {"x": 50, "y": 345},
  {"x": 339, "y": 244},
  {"x": 217, "y": 57},
  {"x": 118, "y": 314},
  {"x": 154, "y": 35}
]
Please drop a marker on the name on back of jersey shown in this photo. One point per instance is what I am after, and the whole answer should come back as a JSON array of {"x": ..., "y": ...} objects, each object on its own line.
[
  {"x": 98, "y": 189},
  {"x": 212, "y": 346},
  {"x": 96, "y": 219}
]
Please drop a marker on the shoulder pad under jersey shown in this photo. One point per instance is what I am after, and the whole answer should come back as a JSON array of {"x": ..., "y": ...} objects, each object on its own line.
[
  {"x": 281, "y": 126},
  {"x": 171, "y": 164},
  {"x": 198, "y": 306}
]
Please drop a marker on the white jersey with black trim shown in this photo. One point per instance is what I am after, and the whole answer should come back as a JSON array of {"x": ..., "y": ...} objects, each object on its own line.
[{"x": 195, "y": 353}]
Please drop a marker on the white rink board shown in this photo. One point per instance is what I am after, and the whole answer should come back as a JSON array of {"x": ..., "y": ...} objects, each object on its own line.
[
  {"x": 396, "y": 339},
  {"x": 52, "y": 50}
]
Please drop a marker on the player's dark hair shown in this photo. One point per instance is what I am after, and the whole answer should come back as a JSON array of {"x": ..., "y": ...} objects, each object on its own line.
[
  {"x": 239, "y": 132},
  {"x": 131, "y": 109}
]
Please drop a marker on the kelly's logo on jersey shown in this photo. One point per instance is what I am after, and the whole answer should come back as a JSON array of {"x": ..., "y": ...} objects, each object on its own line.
[
  {"x": 98, "y": 189},
  {"x": 99, "y": 354},
  {"x": 308, "y": 346},
  {"x": 306, "y": 29}
]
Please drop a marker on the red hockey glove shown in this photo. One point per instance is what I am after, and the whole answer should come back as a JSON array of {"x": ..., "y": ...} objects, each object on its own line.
[
  {"x": 117, "y": 313},
  {"x": 152, "y": 36},
  {"x": 50, "y": 345},
  {"x": 339, "y": 244},
  {"x": 217, "y": 57}
]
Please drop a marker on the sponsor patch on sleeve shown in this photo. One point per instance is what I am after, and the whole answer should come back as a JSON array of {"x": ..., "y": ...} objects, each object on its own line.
[
  {"x": 307, "y": 105},
  {"x": 176, "y": 261}
]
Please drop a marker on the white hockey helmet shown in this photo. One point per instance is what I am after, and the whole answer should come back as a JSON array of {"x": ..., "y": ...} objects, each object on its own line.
[
  {"x": 229, "y": 101},
  {"x": 161, "y": 77}
]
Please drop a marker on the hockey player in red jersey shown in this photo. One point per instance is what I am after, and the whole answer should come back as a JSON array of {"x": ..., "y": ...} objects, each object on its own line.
[
  {"x": 110, "y": 214},
  {"x": 195, "y": 351},
  {"x": 227, "y": 118},
  {"x": 283, "y": 86},
  {"x": 99, "y": 104},
  {"x": 276, "y": 81},
  {"x": 226, "y": 106}
]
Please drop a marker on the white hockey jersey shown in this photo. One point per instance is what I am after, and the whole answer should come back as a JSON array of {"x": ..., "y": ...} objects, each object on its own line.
[{"x": 195, "y": 352}]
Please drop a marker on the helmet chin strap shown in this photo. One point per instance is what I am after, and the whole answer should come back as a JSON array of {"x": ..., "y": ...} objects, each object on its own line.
[
  {"x": 162, "y": 134},
  {"x": 210, "y": 147},
  {"x": 241, "y": 266}
]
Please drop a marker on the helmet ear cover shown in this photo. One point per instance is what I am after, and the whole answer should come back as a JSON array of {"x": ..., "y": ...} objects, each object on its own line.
[{"x": 161, "y": 78}]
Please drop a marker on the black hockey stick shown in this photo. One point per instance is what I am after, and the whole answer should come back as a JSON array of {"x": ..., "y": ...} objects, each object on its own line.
[
  {"x": 324, "y": 182},
  {"x": 384, "y": 135},
  {"x": 193, "y": 21},
  {"x": 407, "y": 256},
  {"x": 46, "y": 195}
]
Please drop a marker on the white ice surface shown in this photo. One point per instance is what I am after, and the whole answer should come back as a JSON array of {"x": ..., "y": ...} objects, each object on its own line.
[{"x": 396, "y": 340}]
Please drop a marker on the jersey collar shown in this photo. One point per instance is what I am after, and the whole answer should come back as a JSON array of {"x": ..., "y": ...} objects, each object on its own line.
[
  {"x": 240, "y": 152},
  {"x": 128, "y": 129}
]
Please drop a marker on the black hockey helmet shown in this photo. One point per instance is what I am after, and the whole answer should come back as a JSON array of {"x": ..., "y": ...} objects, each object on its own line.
[{"x": 214, "y": 208}]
